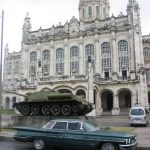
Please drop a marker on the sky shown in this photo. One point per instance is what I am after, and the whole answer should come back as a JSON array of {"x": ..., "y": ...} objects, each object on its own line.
[{"x": 46, "y": 13}]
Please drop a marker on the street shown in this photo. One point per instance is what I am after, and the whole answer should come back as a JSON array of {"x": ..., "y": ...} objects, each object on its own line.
[
  {"x": 104, "y": 121},
  {"x": 15, "y": 146}
]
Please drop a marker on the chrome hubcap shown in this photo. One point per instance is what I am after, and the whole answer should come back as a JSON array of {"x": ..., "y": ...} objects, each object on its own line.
[
  {"x": 39, "y": 144},
  {"x": 108, "y": 146}
]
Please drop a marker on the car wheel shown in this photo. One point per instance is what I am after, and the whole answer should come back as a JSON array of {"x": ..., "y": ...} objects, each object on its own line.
[
  {"x": 35, "y": 110},
  {"x": 66, "y": 110},
  {"x": 55, "y": 110},
  {"x": 46, "y": 110},
  {"x": 109, "y": 146},
  {"x": 25, "y": 109},
  {"x": 39, "y": 144}
]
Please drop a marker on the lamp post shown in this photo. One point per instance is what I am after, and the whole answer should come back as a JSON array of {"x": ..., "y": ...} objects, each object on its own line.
[{"x": 1, "y": 63}]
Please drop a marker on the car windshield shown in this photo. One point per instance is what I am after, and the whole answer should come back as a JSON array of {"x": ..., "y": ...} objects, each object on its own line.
[
  {"x": 88, "y": 126},
  {"x": 137, "y": 111}
]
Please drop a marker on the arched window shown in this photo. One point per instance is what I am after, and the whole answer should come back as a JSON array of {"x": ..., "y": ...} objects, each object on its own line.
[
  {"x": 146, "y": 53},
  {"x": 59, "y": 61},
  {"x": 46, "y": 55},
  {"x": 74, "y": 60},
  {"x": 106, "y": 59},
  {"x": 33, "y": 66},
  {"x": 123, "y": 57},
  {"x": 90, "y": 11},
  {"x": 33, "y": 56},
  {"x": 46, "y": 62},
  {"x": 89, "y": 53}
]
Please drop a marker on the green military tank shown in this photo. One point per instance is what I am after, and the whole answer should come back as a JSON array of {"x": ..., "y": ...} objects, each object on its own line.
[{"x": 52, "y": 103}]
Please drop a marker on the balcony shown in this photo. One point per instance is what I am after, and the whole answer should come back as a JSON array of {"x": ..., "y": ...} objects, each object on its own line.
[
  {"x": 98, "y": 79},
  {"x": 63, "y": 78}
]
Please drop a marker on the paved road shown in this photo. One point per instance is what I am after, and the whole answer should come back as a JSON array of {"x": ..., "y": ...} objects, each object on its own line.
[
  {"x": 15, "y": 146},
  {"x": 107, "y": 121}
]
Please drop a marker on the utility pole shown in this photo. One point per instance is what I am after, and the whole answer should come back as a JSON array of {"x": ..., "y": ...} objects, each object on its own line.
[{"x": 1, "y": 63}]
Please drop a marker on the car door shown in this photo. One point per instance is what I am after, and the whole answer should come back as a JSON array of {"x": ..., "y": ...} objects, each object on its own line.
[
  {"x": 55, "y": 136},
  {"x": 75, "y": 137}
]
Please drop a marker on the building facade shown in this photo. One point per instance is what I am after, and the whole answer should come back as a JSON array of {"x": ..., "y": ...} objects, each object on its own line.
[{"x": 101, "y": 57}]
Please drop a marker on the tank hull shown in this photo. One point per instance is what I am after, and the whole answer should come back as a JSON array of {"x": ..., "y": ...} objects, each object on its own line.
[
  {"x": 53, "y": 108},
  {"x": 53, "y": 103}
]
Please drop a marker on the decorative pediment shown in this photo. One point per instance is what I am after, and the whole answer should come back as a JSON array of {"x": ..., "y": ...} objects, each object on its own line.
[{"x": 73, "y": 25}]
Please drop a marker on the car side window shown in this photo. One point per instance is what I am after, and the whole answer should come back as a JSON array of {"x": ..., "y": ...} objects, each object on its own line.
[
  {"x": 60, "y": 125},
  {"x": 74, "y": 126}
]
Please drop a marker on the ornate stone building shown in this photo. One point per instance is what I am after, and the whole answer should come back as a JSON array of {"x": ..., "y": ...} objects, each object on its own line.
[{"x": 98, "y": 56}]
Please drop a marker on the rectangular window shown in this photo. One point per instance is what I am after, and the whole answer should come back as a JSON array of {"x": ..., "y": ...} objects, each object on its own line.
[
  {"x": 148, "y": 75},
  {"x": 90, "y": 11},
  {"x": 124, "y": 73},
  {"x": 106, "y": 74},
  {"x": 60, "y": 125},
  {"x": 74, "y": 126}
]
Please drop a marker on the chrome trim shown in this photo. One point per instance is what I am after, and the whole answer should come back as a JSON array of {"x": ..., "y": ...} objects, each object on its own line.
[{"x": 128, "y": 145}]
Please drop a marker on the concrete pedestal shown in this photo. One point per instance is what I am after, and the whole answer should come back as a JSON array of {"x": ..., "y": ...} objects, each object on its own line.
[{"x": 115, "y": 111}]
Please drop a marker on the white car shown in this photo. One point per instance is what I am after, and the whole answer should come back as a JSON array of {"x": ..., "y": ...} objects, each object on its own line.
[{"x": 138, "y": 116}]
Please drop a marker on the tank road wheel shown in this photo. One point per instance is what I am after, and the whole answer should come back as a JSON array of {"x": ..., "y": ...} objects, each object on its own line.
[
  {"x": 46, "y": 110},
  {"x": 109, "y": 146},
  {"x": 55, "y": 110},
  {"x": 35, "y": 110},
  {"x": 75, "y": 109},
  {"x": 25, "y": 109},
  {"x": 66, "y": 110},
  {"x": 39, "y": 144}
]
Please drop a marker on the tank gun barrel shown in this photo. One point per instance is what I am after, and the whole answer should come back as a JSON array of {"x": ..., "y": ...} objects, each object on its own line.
[{"x": 14, "y": 93}]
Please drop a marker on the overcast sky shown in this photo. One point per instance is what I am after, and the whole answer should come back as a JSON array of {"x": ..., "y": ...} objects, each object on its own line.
[{"x": 45, "y": 13}]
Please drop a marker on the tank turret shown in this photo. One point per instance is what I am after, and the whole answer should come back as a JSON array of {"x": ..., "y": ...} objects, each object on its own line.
[{"x": 52, "y": 103}]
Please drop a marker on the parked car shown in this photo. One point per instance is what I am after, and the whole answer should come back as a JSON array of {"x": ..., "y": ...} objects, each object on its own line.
[
  {"x": 74, "y": 134},
  {"x": 138, "y": 116}
]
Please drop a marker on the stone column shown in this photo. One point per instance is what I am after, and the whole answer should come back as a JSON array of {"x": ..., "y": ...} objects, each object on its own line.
[
  {"x": 99, "y": 109},
  {"x": 90, "y": 88},
  {"x": 11, "y": 103},
  {"x": 133, "y": 99},
  {"x": 114, "y": 55},
  {"x": 52, "y": 61},
  {"x": 81, "y": 58},
  {"x": 116, "y": 109},
  {"x": 66, "y": 59},
  {"x": 97, "y": 55},
  {"x": 131, "y": 55}
]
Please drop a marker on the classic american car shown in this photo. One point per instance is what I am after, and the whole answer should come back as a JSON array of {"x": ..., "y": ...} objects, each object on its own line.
[{"x": 74, "y": 134}]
